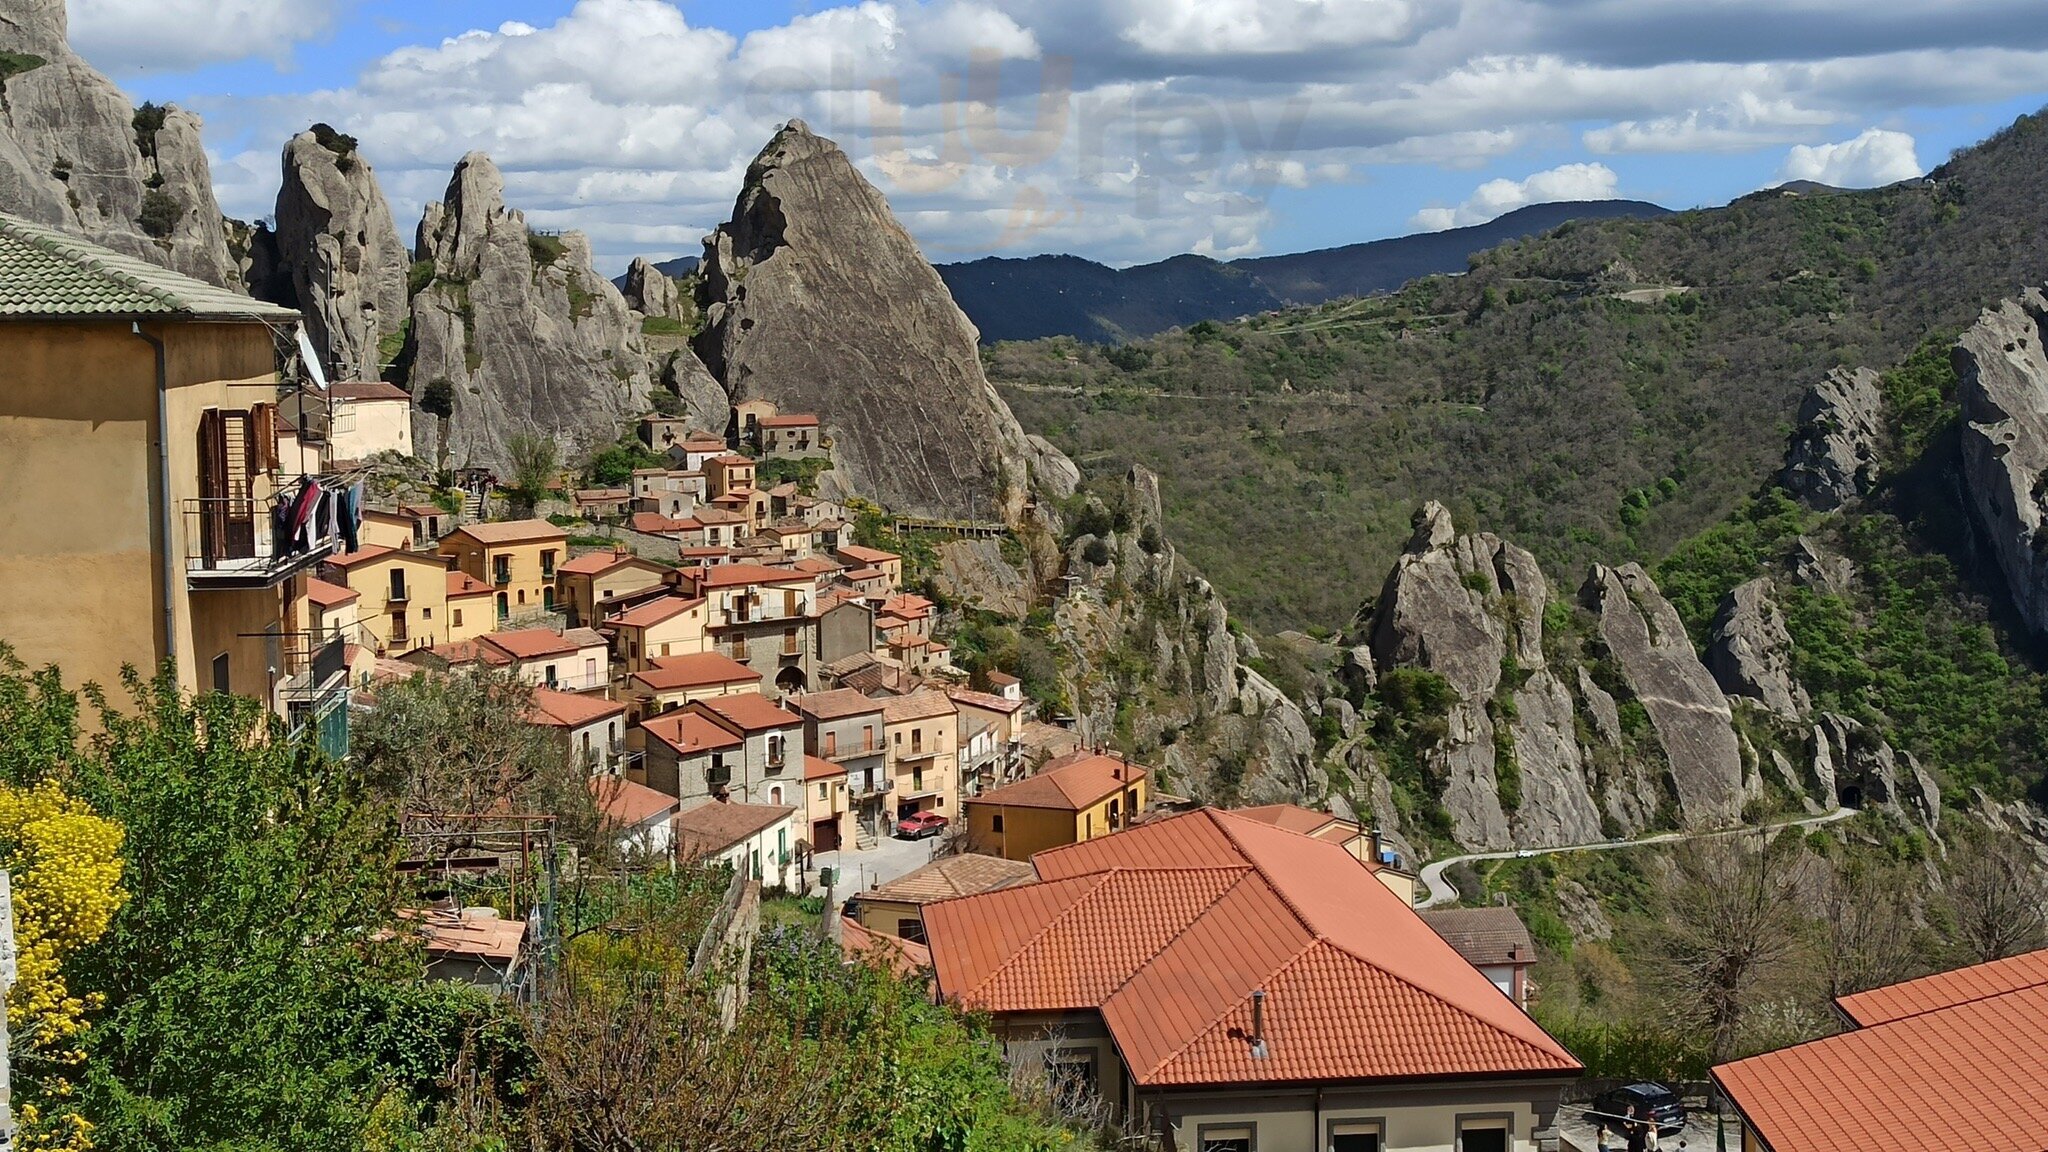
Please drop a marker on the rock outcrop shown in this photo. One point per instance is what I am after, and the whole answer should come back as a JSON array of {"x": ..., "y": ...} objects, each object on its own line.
[
  {"x": 1855, "y": 767},
  {"x": 1750, "y": 653},
  {"x": 649, "y": 291},
  {"x": 339, "y": 252},
  {"x": 2003, "y": 372},
  {"x": 76, "y": 155},
  {"x": 1470, "y": 609},
  {"x": 1833, "y": 457},
  {"x": 516, "y": 333},
  {"x": 1651, "y": 652},
  {"x": 815, "y": 297}
]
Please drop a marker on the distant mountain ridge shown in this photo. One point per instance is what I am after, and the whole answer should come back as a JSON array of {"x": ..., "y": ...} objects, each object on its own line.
[{"x": 1039, "y": 296}]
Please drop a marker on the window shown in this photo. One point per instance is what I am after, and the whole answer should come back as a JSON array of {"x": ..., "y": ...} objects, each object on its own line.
[
  {"x": 502, "y": 611},
  {"x": 821, "y": 792},
  {"x": 1485, "y": 1133},
  {"x": 220, "y": 673},
  {"x": 1069, "y": 1073},
  {"x": 548, "y": 676},
  {"x": 916, "y": 741},
  {"x": 775, "y": 797},
  {"x": 547, "y": 562},
  {"x": 917, "y": 779},
  {"x": 522, "y": 595},
  {"x": 458, "y": 617},
  {"x": 1088, "y": 824},
  {"x": 589, "y": 670},
  {"x": 775, "y": 748},
  {"x": 398, "y": 584},
  {"x": 547, "y": 598},
  {"x": 910, "y": 928},
  {"x": 426, "y": 613},
  {"x": 997, "y": 826},
  {"x": 1232, "y": 1138},
  {"x": 501, "y": 570},
  {"x": 1354, "y": 1136},
  {"x": 831, "y": 745}
]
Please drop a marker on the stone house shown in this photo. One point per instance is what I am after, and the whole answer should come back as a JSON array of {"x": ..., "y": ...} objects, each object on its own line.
[
  {"x": 669, "y": 682},
  {"x": 760, "y": 616},
  {"x": 1086, "y": 796},
  {"x": 755, "y": 840},
  {"x": 921, "y": 731},
  {"x": 792, "y": 436},
  {"x": 590, "y": 730},
  {"x": 848, "y": 730}
]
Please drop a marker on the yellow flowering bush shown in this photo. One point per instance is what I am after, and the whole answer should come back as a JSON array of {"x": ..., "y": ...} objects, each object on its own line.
[{"x": 65, "y": 862}]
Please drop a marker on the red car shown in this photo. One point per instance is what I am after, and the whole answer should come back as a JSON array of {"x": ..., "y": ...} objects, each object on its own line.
[{"x": 919, "y": 825}]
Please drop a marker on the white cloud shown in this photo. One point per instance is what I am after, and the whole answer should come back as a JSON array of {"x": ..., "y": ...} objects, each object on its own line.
[
  {"x": 127, "y": 37},
  {"x": 1499, "y": 197},
  {"x": 1878, "y": 156}
]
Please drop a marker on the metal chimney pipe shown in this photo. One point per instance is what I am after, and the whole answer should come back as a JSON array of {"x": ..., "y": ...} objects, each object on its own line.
[{"x": 1258, "y": 1024}]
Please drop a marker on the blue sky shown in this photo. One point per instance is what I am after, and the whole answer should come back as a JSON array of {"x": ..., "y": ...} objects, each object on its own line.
[{"x": 1122, "y": 130}]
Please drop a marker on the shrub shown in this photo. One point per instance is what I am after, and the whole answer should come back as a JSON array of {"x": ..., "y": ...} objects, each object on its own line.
[
  {"x": 545, "y": 247},
  {"x": 160, "y": 213},
  {"x": 1096, "y": 551},
  {"x": 147, "y": 122},
  {"x": 438, "y": 397},
  {"x": 418, "y": 277},
  {"x": 341, "y": 144}
]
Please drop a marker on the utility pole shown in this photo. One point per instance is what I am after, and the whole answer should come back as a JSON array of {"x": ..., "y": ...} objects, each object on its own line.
[{"x": 7, "y": 973}]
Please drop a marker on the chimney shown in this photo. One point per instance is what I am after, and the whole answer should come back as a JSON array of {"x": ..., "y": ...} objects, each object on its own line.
[{"x": 1259, "y": 1024}]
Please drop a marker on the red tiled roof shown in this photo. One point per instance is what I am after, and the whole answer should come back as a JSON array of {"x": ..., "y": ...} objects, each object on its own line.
[
  {"x": 731, "y": 459},
  {"x": 857, "y": 942},
  {"x": 1972, "y": 1077},
  {"x": 511, "y": 532},
  {"x": 1485, "y": 937},
  {"x": 655, "y": 524},
  {"x": 529, "y": 643},
  {"x": 749, "y": 711},
  {"x": 329, "y": 595},
  {"x": 595, "y": 563},
  {"x": 363, "y": 555},
  {"x": 1069, "y": 787},
  {"x": 463, "y": 652},
  {"x": 716, "y": 826},
  {"x": 950, "y": 876},
  {"x": 818, "y": 768},
  {"x": 867, "y": 555},
  {"x": 833, "y": 705},
  {"x": 568, "y": 710},
  {"x": 861, "y": 574},
  {"x": 922, "y": 705},
  {"x": 1946, "y": 989},
  {"x": 463, "y": 584},
  {"x": 817, "y": 565},
  {"x": 655, "y": 611},
  {"x": 734, "y": 575},
  {"x": 790, "y": 420},
  {"x": 367, "y": 390},
  {"x": 626, "y": 804},
  {"x": 1168, "y": 929},
  {"x": 986, "y": 701},
  {"x": 688, "y": 733},
  {"x": 697, "y": 670}
]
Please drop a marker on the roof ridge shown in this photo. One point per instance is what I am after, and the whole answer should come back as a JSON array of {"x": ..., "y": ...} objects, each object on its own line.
[
  {"x": 2036, "y": 986},
  {"x": 1204, "y": 1031},
  {"x": 1242, "y": 872},
  {"x": 1252, "y": 861}
]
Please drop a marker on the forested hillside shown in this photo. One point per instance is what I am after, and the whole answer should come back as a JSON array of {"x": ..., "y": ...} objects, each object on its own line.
[{"x": 1601, "y": 392}]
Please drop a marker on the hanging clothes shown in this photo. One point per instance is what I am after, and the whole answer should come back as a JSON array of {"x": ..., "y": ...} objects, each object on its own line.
[{"x": 351, "y": 515}]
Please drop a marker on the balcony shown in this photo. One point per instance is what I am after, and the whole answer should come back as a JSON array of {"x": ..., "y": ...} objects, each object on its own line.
[
  {"x": 861, "y": 788},
  {"x": 839, "y": 754},
  {"x": 581, "y": 682},
  {"x": 501, "y": 577},
  {"x": 229, "y": 544},
  {"x": 315, "y": 696},
  {"x": 718, "y": 777}
]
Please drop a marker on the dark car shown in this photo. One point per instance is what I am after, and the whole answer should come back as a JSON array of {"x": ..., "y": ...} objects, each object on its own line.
[
  {"x": 1653, "y": 1100},
  {"x": 919, "y": 825}
]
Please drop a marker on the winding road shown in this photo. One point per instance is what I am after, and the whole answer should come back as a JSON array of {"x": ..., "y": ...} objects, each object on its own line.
[{"x": 1441, "y": 890}]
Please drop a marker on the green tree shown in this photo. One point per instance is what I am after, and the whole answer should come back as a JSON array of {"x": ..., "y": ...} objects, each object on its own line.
[{"x": 535, "y": 462}]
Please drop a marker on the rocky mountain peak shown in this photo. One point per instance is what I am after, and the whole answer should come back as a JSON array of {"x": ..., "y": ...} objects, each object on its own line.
[
  {"x": 76, "y": 155},
  {"x": 2003, "y": 371},
  {"x": 338, "y": 251},
  {"x": 461, "y": 224},
  {"x": 815, "y": 297}
]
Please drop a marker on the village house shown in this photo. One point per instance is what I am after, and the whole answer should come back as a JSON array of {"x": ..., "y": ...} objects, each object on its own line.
[
  {"x": 663, "y": 626},
  {"x": 759, "y": 616},
  {"x": 753, "y": 839},
  {"x": 141, "y": 447},
  {"x": 404, "y": 599},
  {"x": 738, "y": 746},
  {"x": 684, "y": 754},
  {"x": 573, "y": 660},
  {"x": 990, "y": 751},
  {"x": 460, "y": 656},
  {"x": 356, "y": 419},
  {"x": 585, "y": 584},
  {"x": 590, "y": 730},
  {"x": 470, "y": 610},
  {"x": 1086, "y": 796},
  {"x": 1951, "y": 1061},
  {"x": 923, "y": 754},
  {"x": 1493, "y": 940},
  {"x": 1227, "y": 985},
  {"x": 600, "y": 503},
  {"x": 859, "y": 559},
  {"x": 668, "y": 682},
  {"x": 828, "y": 807},
  {"x": 746, "y": 420},
  {"x": 897, "y": 908},
  {"x": 330, "y": 612},
  {"x": 1364, "y": 844},
  {"x": 847, "y": 730},
  {"x": 516, "y": 557},
  {"x": 670, "y": 492},
  {"x": 792, "y": 436},
  {"x": 660, "y": 433},
  {"x": 474, "y": 946},
  {"x": 728, "y": 474},
  {"x": 383, "y": 529},
  {"x": 696, "y": 449},
  {"x": 637, "y": 819}
]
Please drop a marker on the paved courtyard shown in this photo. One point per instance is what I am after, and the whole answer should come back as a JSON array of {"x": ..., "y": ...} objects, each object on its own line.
[{"x": 858, "y": 871}]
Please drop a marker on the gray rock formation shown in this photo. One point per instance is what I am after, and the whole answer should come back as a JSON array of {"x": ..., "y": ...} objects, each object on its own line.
[
  {"x": 1833, "y": 457},
  {"x": 1469, "y": 608},
  {"x": 1820, "y": 569},
  {"x": 2004, "y": 390},
  {"x": 816, "y": 298},
  {"x": 1855, "y": 767},
  {"x": 650, "y": 292},
  {"x": 1693, "y": 724},
  {"x": 516, "y": 331},
  {"x": 73, "y": 155},
  {"x": 684, "y": 376},
  {"x": 339, "y": 252},
  {"x": 1601, "y": 709},
  {"x": 1750, "y": 653}
]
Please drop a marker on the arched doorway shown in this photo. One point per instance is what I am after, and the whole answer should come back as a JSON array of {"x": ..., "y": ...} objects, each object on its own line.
[{"x": 790, "y": 680}]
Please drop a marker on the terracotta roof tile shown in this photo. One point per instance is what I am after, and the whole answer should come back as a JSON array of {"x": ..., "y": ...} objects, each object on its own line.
[
  {"x": 950, "y": 876},
  {"x": 986, "y": 701},
  {"x": 733, "y": 575},
  {"x": 1483, "y": 936},
  {"x": 791, "y": 420},
  {"x": 1168, "y": 928},
  {"x": 1972, "y": 1077},
  {"x": 511, "y": 532},
  {"x": 1292, "y": 817},
  {"x": 1946, "y": 989},
  {"x": 1069, "y": 787},
  {"x": 867, "y": 555},
  {"x": 329, "y": 595},
  {"x": 597, "y": 563},
  {"x": 367, "y": 390},
  {"x": 860, "y": 943},
  {"x": 463, "y": 584},
  {"x": 749, "y": 711},
  {"x": 655, "y": 524},
  {"x": 689, "y": 733},
  {"x": 836, "y": 704},
  {"x": 569, "y": 710},
  {"x": 532, "y": 643},
  {"x": 696, "y": 670},
  {"x": 819, "y": 768},
  {"x": 655, "y": 611},
  {"x": 628, "y": 805},
  {"x": 716, "y": 826},
  {"x": 922, "y": 705},
  {"x": 45, "y": 272}
]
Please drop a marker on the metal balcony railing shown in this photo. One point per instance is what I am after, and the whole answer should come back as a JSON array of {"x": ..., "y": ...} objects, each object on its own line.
[
  {"x": 230, "y": 543},
  {"x": 861, "y": 787},
  {"x": 580, "y": 682}
]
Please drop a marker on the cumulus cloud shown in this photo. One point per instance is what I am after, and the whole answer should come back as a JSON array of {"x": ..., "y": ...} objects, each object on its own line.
[
  {"x": 126, "y": 37},
  {"x": 1122, "y": 129},
  {"x": 1499, "y": 197},
  {"x": 1878, "y": 156}
]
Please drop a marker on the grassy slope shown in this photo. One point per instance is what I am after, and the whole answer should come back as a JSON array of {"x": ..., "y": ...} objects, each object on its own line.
[{"x": 1528, "y": 394}]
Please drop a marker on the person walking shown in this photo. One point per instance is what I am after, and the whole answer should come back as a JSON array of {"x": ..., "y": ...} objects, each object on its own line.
[{"x": 1637, "y": 1130}]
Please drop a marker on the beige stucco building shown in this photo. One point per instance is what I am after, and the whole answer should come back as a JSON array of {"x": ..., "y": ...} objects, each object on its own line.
[
  {"x": 517, "y": 558},
  {"x": 139, "y": 429}
]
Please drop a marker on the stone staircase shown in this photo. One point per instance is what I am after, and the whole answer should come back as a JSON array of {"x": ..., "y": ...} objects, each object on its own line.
[{"x": 863, "y": 837}]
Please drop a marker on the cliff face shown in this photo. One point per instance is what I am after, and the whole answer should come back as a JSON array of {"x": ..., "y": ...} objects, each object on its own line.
[
  {"x": 74, "y": 155},
  {"x": 2004, "y": 391},
  {"x": 338, "y": 252},
  {"x": 816, "y": 298},
  {"x": 516, "y": 333}
]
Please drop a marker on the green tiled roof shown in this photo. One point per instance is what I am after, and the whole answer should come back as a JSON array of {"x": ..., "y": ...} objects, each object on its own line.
[{"x": 44, "y": 272}]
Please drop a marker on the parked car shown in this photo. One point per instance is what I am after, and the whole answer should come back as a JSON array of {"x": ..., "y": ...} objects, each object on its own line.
[
  {"x": 1655, "y": 1100},
  {"x": 919, "y": 825}
]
